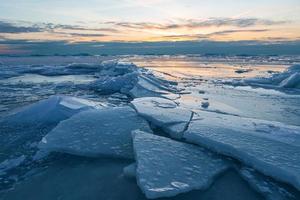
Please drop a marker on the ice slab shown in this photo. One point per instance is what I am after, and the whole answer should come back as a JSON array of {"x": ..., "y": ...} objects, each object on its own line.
[
  {"x": 53, "y": 109},
  {"x": 150, "y": 86},
  {"x": 163, "y": 113},
  {"x": 265, "y": 186},
  {"x": 270, "y": 147},
  {"x": 166, "y": 167},
  {"x": 287, "y": 79},
  {"x": 102, "y": 132},
  {"x": 112, "y": 84}
]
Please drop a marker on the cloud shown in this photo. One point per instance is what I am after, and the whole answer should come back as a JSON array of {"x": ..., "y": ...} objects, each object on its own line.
[
  {"x": 51, "y": 26},
  {"x": 217, "y": 33},
  {"x": 198, "y": 23},
  {"x": 6, "y": 27},
  {"x": 82, "y": 34}
]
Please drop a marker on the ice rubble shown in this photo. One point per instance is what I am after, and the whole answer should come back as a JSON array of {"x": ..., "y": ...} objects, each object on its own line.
[
  {"x": 166, "y": 167},
  {"x": 127, "y": 78},
  {"x": 270, "y": 147},
  {"x": 287, "y": 79},
  {"x": 163, "y": 113},
  {"x": 108, "y": 84},
  {"x": 103, "y": 132}
]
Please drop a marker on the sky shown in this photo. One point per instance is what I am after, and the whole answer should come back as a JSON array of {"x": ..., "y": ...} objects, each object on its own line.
[{"x": 77, "y": 21}]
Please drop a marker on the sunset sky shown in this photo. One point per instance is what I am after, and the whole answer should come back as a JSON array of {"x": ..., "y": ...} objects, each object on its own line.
[{"x": 148, "y": 20}]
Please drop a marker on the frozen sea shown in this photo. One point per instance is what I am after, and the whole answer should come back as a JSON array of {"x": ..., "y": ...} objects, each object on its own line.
[{"x": 209, "y": 127}]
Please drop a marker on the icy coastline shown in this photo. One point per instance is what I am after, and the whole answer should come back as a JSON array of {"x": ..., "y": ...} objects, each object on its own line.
[{"x": 194, "y": 146}]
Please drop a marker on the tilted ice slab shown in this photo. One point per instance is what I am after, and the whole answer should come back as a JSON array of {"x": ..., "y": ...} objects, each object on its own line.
[
  {"x": 287, "y": 79},
  {"x": 163, "y": 113},
  {"x": 127, "y": 78},
  {"x": 112, "y": 84},
  {"x": 53, "y": 109},
  {"x": 103, "y": 132},
  {"x": 166, "y": 167},
  {"x": 150, "y": 86},
  {"x": 270, "y": 147}
]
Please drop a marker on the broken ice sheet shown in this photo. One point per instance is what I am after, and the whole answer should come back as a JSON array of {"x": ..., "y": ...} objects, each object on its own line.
[
  {"x": 103, "y": 132},
  {"x": 166, "y": 167},
  {"x": 163, "y": 113},
  {"x": 270, "y": 147}
]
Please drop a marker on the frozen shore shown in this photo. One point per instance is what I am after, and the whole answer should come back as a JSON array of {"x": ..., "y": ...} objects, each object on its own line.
[{"x": 184, "y": 131}]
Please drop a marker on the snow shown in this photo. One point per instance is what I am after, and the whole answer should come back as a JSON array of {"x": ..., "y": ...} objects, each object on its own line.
[
  {"x": 270, "y": 147},
  {"x": 166, "y": 167},
  {"x": 163, "y": 113},
  {"x": 102, "y": 132}
]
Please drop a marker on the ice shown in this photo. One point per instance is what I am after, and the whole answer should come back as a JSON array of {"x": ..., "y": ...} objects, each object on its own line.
[
  {"x": 112, "y": 84},
  {"x": 287, "y": 79},
  {"x": 130, "y": 171},
  {"x": 127, "y": 78},
  {"x": 117, "y": 68},
  {"x": 150, "y": 86},
  {"x": 166, "y": 167},
  {"x": 292, "y": 81},
  {"x": 163, "y": 113},
  {"x": 11, "y": 163},
  {"x": 102, "y": 132},
  {"x": 270, "y": 147},
  {"x": 264, "y": 185},
  {"x": 53, "y": 109}
]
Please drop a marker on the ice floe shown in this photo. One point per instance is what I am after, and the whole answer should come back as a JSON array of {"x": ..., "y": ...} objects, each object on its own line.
[
  {"x": 166, "y": 167},
  {"x": 163, "y": 113},
  {"x": 270, "y": 147},
  {"x": 103, "y": 132}
]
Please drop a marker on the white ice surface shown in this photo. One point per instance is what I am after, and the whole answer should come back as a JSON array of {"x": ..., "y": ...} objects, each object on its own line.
[
  {"x": 163, "y": 113},
  {"x": 166, "y": 167},
  {"x": 102, "y": 132},
  {"x": 270, "y": 147}
]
